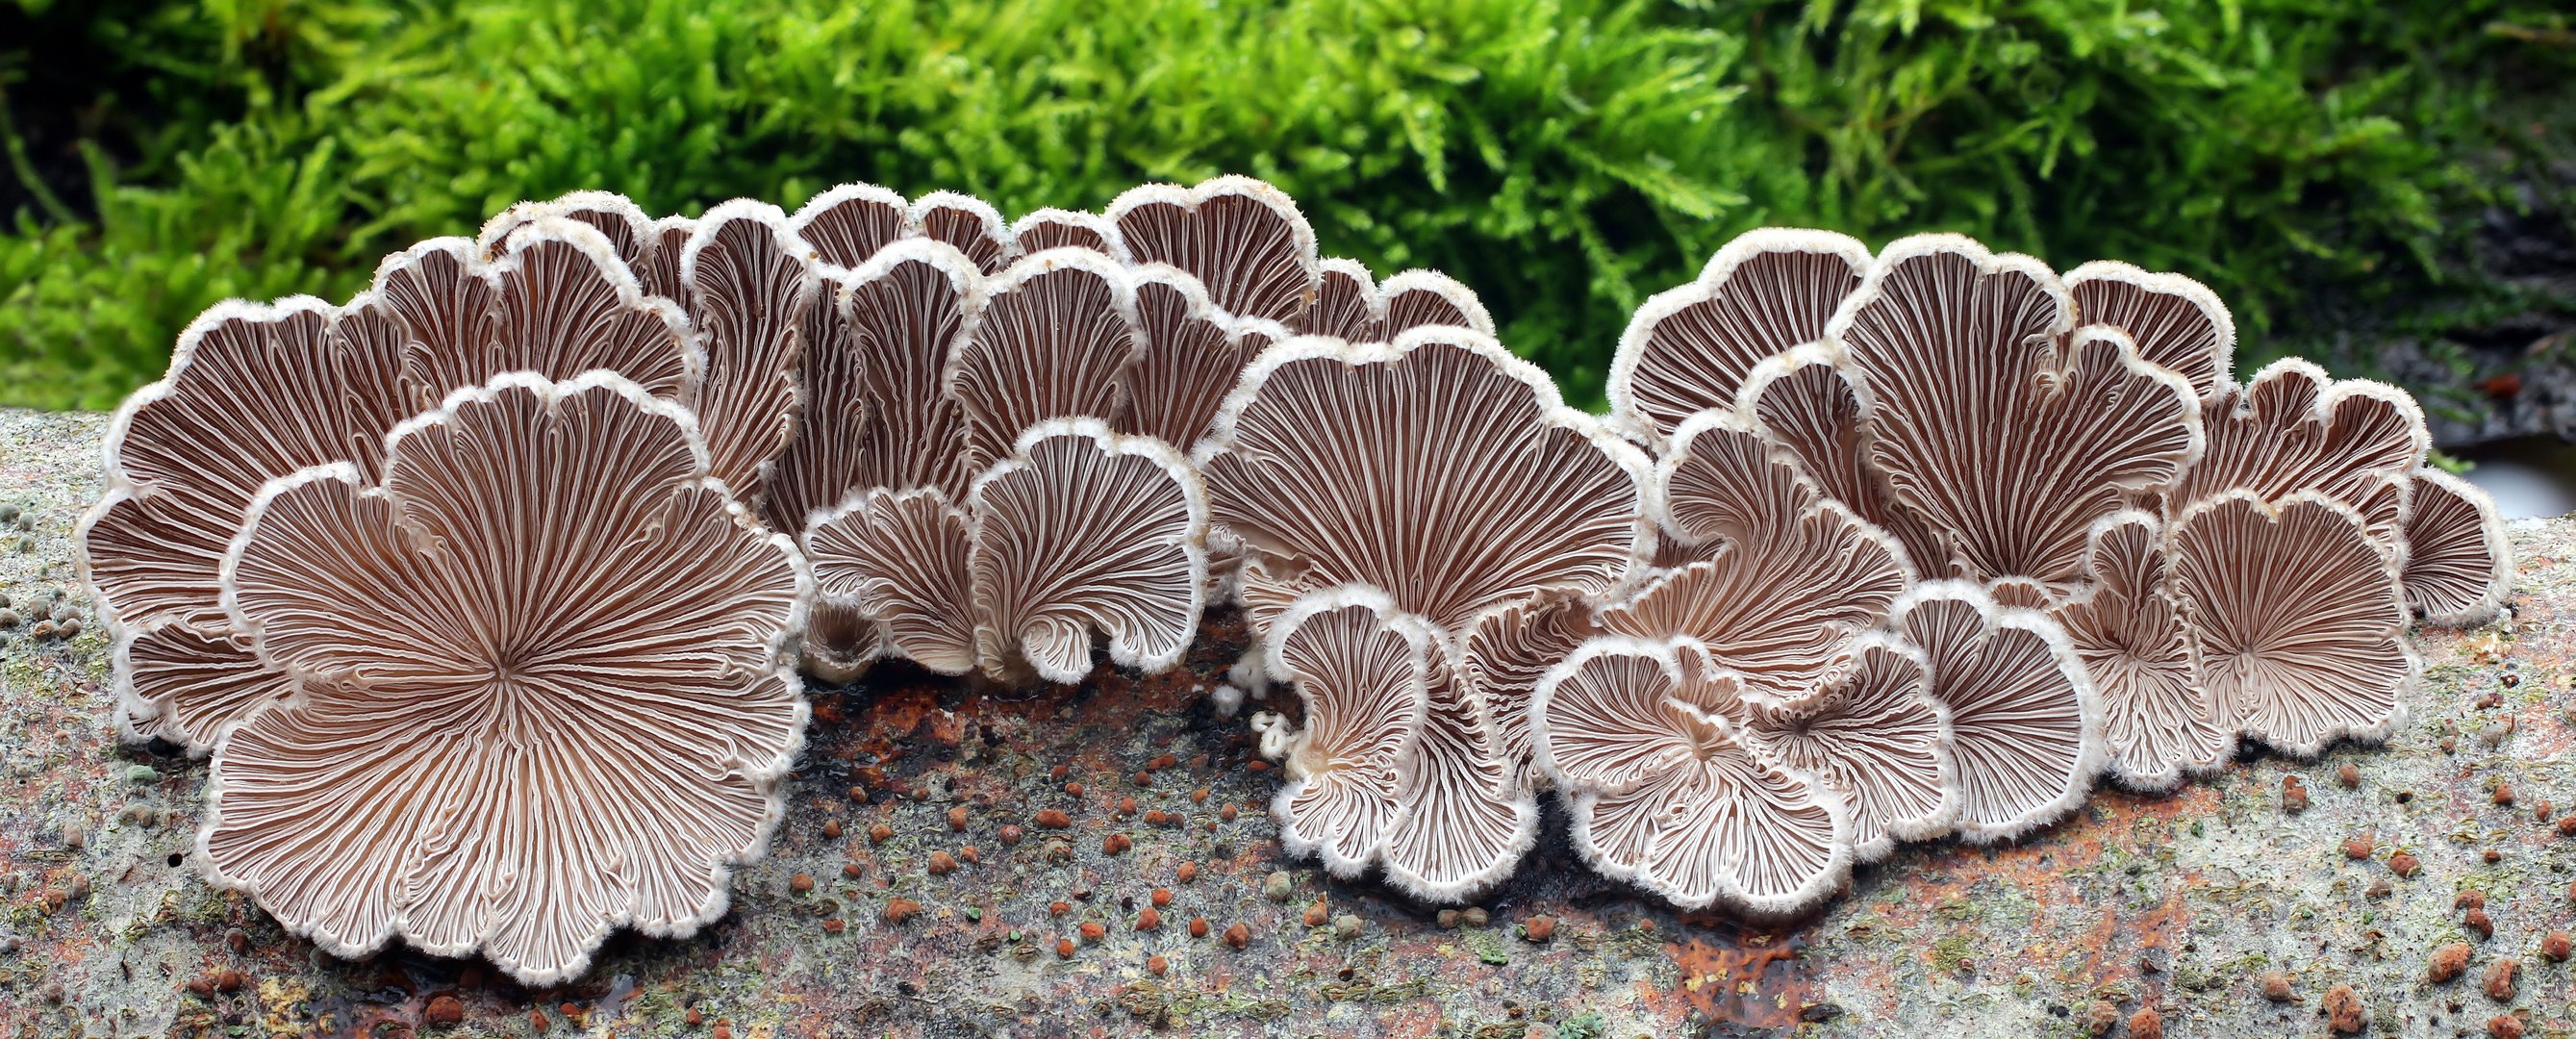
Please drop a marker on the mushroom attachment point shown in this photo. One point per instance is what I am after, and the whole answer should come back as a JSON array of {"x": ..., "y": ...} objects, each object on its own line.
[
  {"x": 541, "y": 689},
  {"x": 900, "y": 558}
]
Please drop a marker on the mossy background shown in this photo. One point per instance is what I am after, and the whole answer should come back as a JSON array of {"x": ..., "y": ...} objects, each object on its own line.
[{"x": 2325, "y": 165}]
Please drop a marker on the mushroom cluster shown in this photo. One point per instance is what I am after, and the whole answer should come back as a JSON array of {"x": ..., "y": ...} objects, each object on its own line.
[
  {"x": 487, "y": 589},
  {"x": 1947, "y": 535}
]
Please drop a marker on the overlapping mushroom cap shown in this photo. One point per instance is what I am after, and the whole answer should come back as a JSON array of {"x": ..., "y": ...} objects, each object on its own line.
[
  {"x": 2002, "y": 424},
  {"x": 1438, "y": 468},
  {"x": 2313, "y": 650},
  {"x": 1444, "y": 473},
  {"x": 1670, "y": 790},
  {"x": 257, "y": 392},
  {"x": 540, "y": 689},
  {"x": 1363, "y": 671}
]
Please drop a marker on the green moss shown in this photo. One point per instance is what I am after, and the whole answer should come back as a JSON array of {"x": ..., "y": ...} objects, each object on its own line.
[{"x": 1565, "y": 158}]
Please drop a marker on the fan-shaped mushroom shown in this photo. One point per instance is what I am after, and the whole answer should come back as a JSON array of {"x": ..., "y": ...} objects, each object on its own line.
[
  {"x": 1805, "y": 405},
  {"x": 1190, "y": 355},
  {"x": 1501, "y": 660},
  {"x": 1876, "y": 737},
  {"x": 559, "y": 301},
  {"x": 2457, "y": 560},
  {"x": 2159, "y": 721},
  {"x": 1439, "y": 468},
  {"x": 966, "y": 222},
  {"x": 2293, "y": 428},
  {"x": 2177, "y": 323},
  {"x": 874, "y": 377},
  {"x": 1057, "y": 333},
  {"x": 253, "y": 392},
  {"x": 1780, "y": 581},
  {"x": 1467, "y": 817},
  {"x": 2011, "y": 436},
  {"x": 1361, "y": 669},
  {"x": 848, "y": 223},
  {"x": 614, "y": 216},
  {"x": 1350, "y": 304},
  {"x": 541, "y": 691},
  {"x": 1647, "y": 739},
  {"x": 899, "y": 557},
  {"x": 1241, "y": 238},
  {"x": 749, "y": 283},
  {"x": 1689, "y": 349},
  {"x": 1083, "y": 529},
  {"x": 2025, "y": 731},
  {"x": 2312, "y": 649},
  {"x": 1046, "y": 229}
]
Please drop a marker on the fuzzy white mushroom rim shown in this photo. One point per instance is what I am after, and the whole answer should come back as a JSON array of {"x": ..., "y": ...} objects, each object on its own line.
[{"x": 541, "y": 689}]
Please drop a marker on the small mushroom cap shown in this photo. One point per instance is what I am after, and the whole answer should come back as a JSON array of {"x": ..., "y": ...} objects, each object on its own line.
[
  {"x": 614, "y": 216},
  {"x": 1362, "y": 670},
  {"x": 840, "y": 640},
  {"x": 970, "y": 224},
  {"x": 1647, "y": 739},
  {"x": 848, "y": 223},
  {"x": 2292, "y": 428},
  {"x": 1353, "y": 306},
  {"x": 1689, "y": 349},
  {"x": 540, "y": 684},
  {"x": 1082, "y": 529},
  {"x": 1056, "y": 336},
  {"x": 876, "y": 412},
  {"x": 1439, "y": 468},
  {"x": 2025, "y": 729},
  {"x": 1347, "y": 305},
  {"x": 660, "y": 271},
  {"x": 1876, "y": 737},
  {"x": 2007, "y": 433},
  {"x": 2295, "y": 616},
  {"x": 1501, "y": 659},
  {"x": 558, "y": 301},
  {"x": 2177, "y": 323},
  {"x": 2458, "y": 564},
  {"x": 1191, "y": 355},
  {"x": 1242, "y": 238},
  {"x": 901, "y": 557},
  {"x": 750, "y": 282},
  {"x": 2159, "y": 721},
  {"x": 1420, "y": 298},
  {"x": 1046, "y": 229}
]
